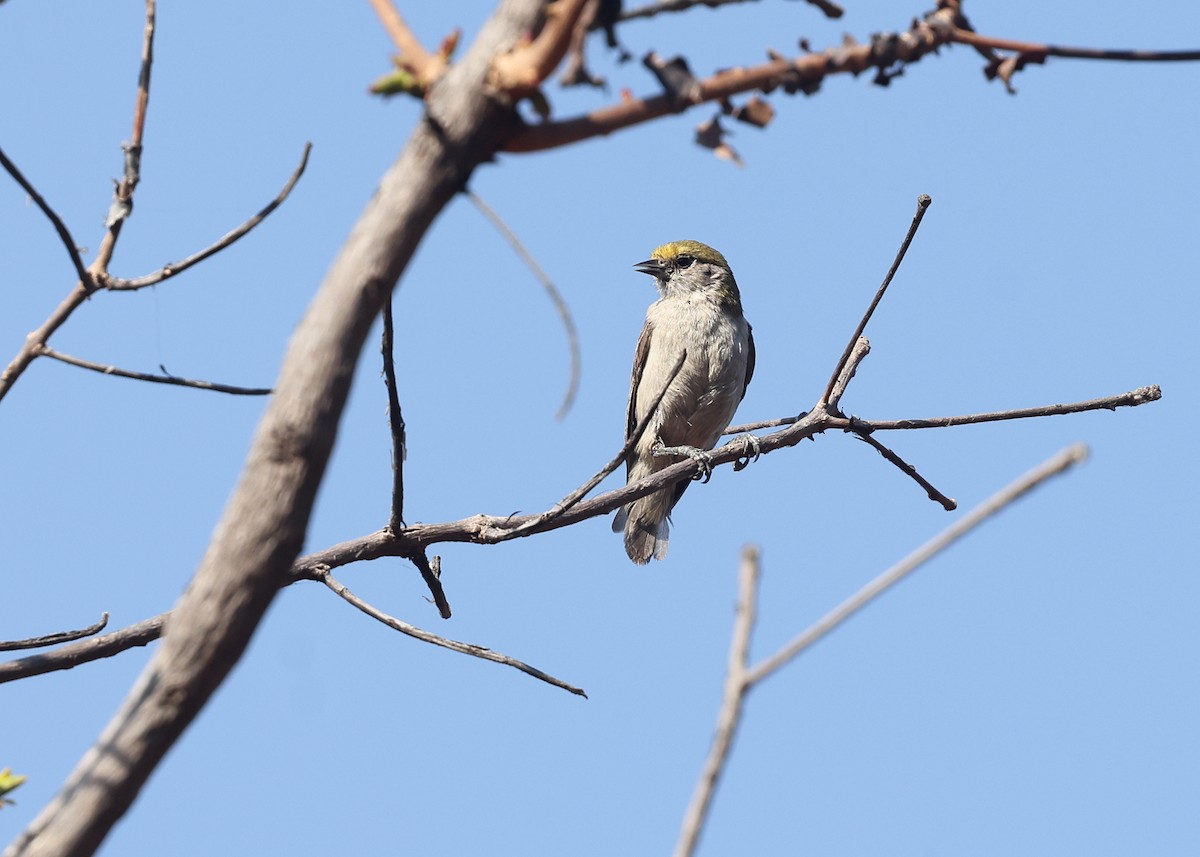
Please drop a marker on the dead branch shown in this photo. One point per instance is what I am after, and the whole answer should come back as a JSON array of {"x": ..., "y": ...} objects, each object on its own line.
[
  {"x": 453, "y": 645},
  {"x": 103, "y": 369},
  {"x": 64, "y": 233},
  {"x": 831, "y": 10},
  {"x": 556, "y": 298},
  {"x": 170, "y": 269},
  {"x": 740, "y": 679},
  {"x": 395, "y": 421},
  {"x": 54, "y": 639},
  {"x": 85, "y": 651}
]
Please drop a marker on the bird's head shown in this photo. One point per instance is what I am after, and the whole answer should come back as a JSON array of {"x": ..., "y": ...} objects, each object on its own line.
[{"x": 683, "y": 267}]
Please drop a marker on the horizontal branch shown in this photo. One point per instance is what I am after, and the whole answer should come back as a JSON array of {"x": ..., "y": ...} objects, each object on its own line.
[
  {"x": 1037, "y": 51},
  {"x": 54, "y": 639},
  {"x": 85, "y": 651},
  {"x": 831, "y": 10},
  {"x": 802, "y": 74}
]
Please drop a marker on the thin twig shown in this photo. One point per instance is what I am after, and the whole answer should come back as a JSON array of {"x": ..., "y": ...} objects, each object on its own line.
[
  {"x": 47, "y": 351},
  {"x": 831, "y": 10},
  {"x": 455, "y": 646},
  {"x": 433, "y": 579},
  {"x": 85, "y": 651},
  {"x": 583, "y": 490},
  {"x": 729, "y": 715},
  {"x": 1059, "y": 463},
  {"x": 121, "y": 206},
  {"x": 923, "y": 202},
  {"x": 966, "y": 37},
  {"x": 1131, "y": 399},
  {"x": 947, "y": 503},
  {"x": 55, "y": 639},
  {"x": 172, "y": 268},
  {"x": 564, "y": 311},
  {"x": 64, "y": 233},
  {"x": 395, "y": 420},
  {"x": 861, "y": 349}
]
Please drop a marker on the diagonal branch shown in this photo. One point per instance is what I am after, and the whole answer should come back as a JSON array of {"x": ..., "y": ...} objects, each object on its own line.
[
  {"x": 923, "y": 202},
  {"x": 556, "y": 298},
  {"x": 117, "y": 284},
  {"x": 453, "y": 645},
  {"x": 1053, "y": 466},
  {"x": 85, "y": 651},
  {"x": 64, "y": 234},
  {"x": 908, "y": 470}
]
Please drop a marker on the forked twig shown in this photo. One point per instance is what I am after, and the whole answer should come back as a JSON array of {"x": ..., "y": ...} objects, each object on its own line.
[
  {"x": 923, "y": 202},
  {"x": 740, "y": 679},
  {"x": 117, "y": 284}
]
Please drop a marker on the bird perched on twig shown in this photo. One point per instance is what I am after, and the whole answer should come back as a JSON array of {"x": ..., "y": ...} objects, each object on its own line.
[{"x": 696, "y": 325}]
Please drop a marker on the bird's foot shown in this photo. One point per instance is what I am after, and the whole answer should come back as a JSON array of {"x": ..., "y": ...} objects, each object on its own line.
[
  {"x": 751, "y": 450},
  {"x": 702, "y": 458}
]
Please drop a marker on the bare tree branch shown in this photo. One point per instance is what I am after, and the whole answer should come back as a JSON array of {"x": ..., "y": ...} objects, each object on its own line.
[
  {"x": 263, "y": 527},
  {"x": 564, "y": 311},
  {"x": 395, "y": 421},
  {"x": 923, "y": 202},
  {"x": 453, "y": 645},
  {"x": 831, "y": 10},
  {"x": 64, "y": 233},
  {"x": 729, "y": 715},
  {"x": 169, "y": 270},
  {"x": 1034, "y": 49},
  {"x": 908, "y": 470},
  {"x": 740, "y": 679},
  {"x": 1053, "y": 466},
  {"x": 85, "y": 651},
  {"x": 103, "y": 369},
  {"x": 54, "y": 639}
]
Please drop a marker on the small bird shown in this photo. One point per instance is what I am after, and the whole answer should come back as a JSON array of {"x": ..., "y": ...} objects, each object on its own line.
[{"x": 697, "y": 319}]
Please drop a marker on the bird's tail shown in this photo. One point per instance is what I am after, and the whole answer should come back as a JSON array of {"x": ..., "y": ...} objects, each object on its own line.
[{"x": 647, "y": 526}]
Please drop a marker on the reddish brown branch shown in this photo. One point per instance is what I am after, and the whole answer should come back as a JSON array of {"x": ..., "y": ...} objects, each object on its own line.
[
  {"x": 947, "y": 503},
  {"x": 804, "y": 73},
  {"x": 522, "y": 70}
]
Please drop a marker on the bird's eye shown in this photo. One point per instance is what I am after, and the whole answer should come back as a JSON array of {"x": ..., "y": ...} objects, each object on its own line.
[{"x": 684, "y": 261}]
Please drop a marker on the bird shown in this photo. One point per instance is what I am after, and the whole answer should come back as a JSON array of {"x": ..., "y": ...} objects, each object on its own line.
[{"x": 697, "y": 325}]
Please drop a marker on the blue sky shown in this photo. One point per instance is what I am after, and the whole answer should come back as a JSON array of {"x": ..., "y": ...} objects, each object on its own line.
[{"x": 1031, "y": 691}]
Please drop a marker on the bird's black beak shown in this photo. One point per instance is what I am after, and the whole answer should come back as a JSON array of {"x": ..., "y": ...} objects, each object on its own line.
[{"x": 653, "y": 267}]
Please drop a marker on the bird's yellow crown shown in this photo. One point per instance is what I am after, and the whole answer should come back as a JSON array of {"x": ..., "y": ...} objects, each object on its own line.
[{"x": 698, "y": 251}]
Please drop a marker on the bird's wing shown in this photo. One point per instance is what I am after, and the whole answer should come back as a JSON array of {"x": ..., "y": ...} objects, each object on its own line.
[
  {"x": 639, "y": 364},
  {"x": 749, "y": 358}
]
